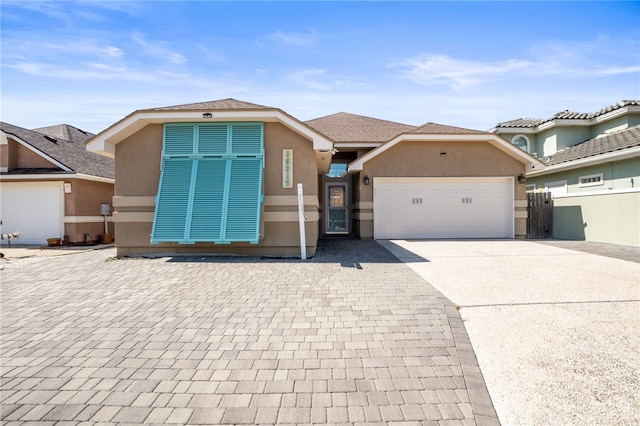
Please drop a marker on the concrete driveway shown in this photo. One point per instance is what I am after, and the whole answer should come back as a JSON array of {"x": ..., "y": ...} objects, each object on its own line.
[{"x": 555, "y": 329}]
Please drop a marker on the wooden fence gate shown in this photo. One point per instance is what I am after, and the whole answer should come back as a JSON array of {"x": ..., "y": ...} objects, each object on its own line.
[{"x": 539, "y": 215}]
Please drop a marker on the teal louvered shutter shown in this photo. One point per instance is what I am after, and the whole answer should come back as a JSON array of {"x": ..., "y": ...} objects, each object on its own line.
[
  {"x": 178, "y": 139},
  {"x": 210, "y": 187},
  {"x": 245, "y": 196},
  {"x": 173, "y": 201},
  {"x": 246, "y": 139},
  {"x": 212, "y": 139},
  {"x": 209, "y": 200}
]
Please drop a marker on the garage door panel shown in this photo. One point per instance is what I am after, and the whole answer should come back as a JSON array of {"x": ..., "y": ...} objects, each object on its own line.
[
  {"x": 35, "y": 209},
  {"x": 443, "y": 208}
]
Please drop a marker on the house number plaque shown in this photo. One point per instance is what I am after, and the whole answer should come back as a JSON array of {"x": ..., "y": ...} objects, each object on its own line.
[{"x": 287, "y": 168}]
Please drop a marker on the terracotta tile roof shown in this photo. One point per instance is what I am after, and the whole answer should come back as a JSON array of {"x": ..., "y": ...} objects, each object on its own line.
[
  {"x": 566, "y": 115},
  {"x": 345, "y": 127},
  {"x": 66, "y": 132},
  {"x": 441, "y": 129},
  {"x": 72, "y": 154},
  {"x": 621, "y": 140},
  {"x": 222, "y": 104}
]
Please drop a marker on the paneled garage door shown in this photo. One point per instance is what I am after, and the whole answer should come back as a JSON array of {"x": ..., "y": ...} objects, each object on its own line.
[
  {"x": 443, "y": 208},
  {"x": 35, "y": 209}
]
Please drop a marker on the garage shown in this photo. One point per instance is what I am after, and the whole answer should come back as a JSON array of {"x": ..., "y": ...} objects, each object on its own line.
[
  {"x": 410, "y": 208},
  {"x": 23, "y": 207}
]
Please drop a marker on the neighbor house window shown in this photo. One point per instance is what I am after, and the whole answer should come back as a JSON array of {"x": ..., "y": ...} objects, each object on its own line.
[
  {"x": 521, "y": 141},
  {"x": 210, "y": 187},
  {"x": 530, "y": 187},
  {"x": 591, "y": 180}
]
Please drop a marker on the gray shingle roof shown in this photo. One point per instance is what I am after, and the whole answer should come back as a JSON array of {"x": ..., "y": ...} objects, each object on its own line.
[
  {"x": 222, "y": 104},
  {"x": 66, "y": 132},
  {"x": 72, "y": 154},
  {"x": 618, "y": 141},
  {"x": 345, "y": 127},
  {"x": 441, "y": 129},
  {"x": 566, "y": 115}
]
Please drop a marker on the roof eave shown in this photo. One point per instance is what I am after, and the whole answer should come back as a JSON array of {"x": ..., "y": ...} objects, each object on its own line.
[
  {"x": 529, "y": 161},
  {"x": 588, "y": 161},
  {"x": 104, "y": 143}
]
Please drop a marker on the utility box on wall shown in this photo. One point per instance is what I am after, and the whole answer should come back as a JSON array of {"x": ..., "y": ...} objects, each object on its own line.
[{"x": 105, "y": 209}]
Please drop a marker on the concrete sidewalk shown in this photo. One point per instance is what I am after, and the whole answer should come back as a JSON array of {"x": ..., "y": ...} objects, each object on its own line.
[
  {"x": 555, "y": 330},
  {"x": 351, "y": 337}
]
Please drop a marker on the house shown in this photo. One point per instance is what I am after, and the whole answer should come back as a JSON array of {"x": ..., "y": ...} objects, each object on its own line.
[
  {"x": 51, "y": 186},
  {"x": 221, "y": 177},
  {"x": 592, "y": 170}
]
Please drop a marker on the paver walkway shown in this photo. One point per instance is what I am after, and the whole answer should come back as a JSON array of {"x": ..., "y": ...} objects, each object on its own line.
[{"x": 349, "y": 337}]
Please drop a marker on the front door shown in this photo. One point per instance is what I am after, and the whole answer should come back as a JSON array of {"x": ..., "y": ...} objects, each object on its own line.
[{"x": 337, "y": 208}]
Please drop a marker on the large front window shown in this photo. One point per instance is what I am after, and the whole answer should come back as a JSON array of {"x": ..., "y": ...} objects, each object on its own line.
[{"x": 210, "y": 187}]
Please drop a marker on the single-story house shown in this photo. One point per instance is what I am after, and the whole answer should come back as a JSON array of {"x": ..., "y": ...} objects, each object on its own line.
[
  {"x": 592, "y": 170},
  {"x": 221, "y": 177},
  {"x": 51, "y": 186}
]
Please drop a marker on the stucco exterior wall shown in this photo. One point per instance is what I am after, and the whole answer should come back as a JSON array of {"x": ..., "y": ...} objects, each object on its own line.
[
  {"x": 609, "y": 218},
  {"x": 138, "y": 171},
  {"x": 82, "y": 209},
  {"x": 423, "y": 159},
  {"x": 23, "y": 158}
]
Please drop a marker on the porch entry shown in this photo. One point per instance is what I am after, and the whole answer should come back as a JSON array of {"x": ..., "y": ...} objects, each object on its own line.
[{"x": 337, "y": 208}]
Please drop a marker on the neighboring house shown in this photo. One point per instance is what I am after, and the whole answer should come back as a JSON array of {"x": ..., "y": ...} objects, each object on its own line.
[
  {"x": 592, "y": 170},
  {"x": 51, "y": 186},
  {"x": 221, "y": 177}
]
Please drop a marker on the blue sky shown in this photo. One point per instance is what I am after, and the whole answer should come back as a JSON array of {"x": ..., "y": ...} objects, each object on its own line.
[{"x": 468, "y": 64}]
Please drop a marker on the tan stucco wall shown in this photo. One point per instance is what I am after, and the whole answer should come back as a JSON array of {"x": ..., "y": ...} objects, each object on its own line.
[
  {"x": 21, "y": 157},
  {"x": 138, "y": 171},
  {"x": 423, "y": 159},
  {"x": 82, "y": 207},
  {"x": 4, "y": 156}
]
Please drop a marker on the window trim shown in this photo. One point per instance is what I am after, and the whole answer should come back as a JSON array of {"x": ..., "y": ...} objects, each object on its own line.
[
  {"x": 530, "y": 187},
  {"x": 599, "y": 182},
  {"x": 520, "y": 135},
  {"x": 557, "y": 184}
]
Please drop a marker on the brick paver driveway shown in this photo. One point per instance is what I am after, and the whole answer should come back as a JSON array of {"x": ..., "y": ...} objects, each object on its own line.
[{"x": 350, "y": 337}]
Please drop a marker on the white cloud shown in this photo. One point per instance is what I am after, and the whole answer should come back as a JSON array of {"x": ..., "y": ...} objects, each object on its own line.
[
  {"x": 588, "y": 60},
  {"x": 159, "y": 49},
  {"x": 295, "y": 39},
  {"x": 437, "y": 69},
  {"x": 315, "y": 78}
]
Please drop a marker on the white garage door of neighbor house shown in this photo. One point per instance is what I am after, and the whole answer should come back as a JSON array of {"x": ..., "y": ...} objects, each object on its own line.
[
  {"x": 35, "y": 209},
  {"x": 443, "y": 208}
]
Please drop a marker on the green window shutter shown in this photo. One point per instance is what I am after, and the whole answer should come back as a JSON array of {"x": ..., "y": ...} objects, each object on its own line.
[
  {"x": 173, "y": 201},
  {"x": 209, "y": 200},
  {"x": 178, "y": 139},
  {"x": 246, "y": 139},
  {"x": 245, "y": 196},
  {"x": 212, "y": 139}
]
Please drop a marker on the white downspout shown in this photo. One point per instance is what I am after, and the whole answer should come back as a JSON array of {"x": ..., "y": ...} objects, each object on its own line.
[{"x": 301, "y": 220}]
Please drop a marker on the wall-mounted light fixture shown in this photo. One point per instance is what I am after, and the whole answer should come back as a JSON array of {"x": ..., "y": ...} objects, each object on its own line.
[
  {"x": 207, "y": 115},
  {"x": 522, "y": 179},
  {"x": 366, "y": 180},
  {"x": 443, "y": 154}
]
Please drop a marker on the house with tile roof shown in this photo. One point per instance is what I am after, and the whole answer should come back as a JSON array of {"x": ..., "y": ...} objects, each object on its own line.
[
  {"x": 223, "y": 177},
  {"x": 592, "y": 170},
  {"x": 51, "y": 186}
]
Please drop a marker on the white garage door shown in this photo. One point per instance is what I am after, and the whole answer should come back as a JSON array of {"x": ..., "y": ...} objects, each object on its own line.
[
  {"x": 35, "y": 209},
  {"x": 443, "y": 208}
]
